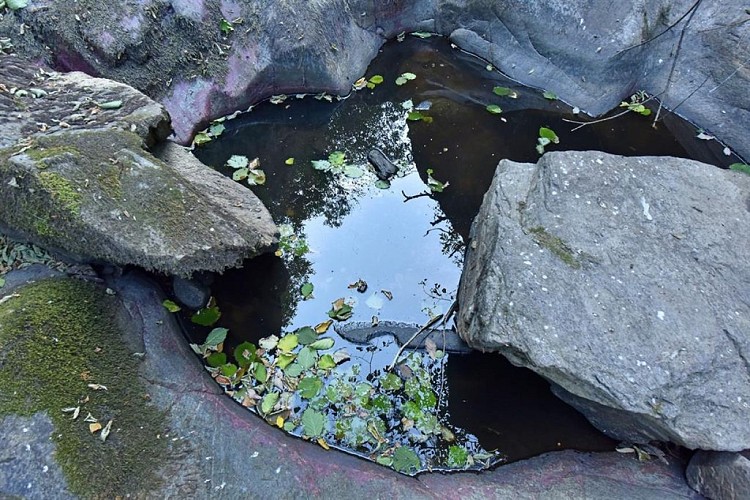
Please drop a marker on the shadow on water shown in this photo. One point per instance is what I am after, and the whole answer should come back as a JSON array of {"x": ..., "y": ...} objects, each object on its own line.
[{"x": 412, "y": 247}]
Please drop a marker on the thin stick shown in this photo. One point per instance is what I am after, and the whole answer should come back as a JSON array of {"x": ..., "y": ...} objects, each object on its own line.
[
  {"x": 669, "y": 28},
  {"x": 420, "y": 331}
]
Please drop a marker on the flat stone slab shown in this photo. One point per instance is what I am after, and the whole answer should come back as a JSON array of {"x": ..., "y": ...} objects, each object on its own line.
[
  {"x": 626, "y": 282},
  {"x": 219, "y": 449}
]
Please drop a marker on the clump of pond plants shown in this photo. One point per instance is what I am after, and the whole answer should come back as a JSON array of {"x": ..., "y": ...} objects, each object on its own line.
[{"x": 302, "y": 383}]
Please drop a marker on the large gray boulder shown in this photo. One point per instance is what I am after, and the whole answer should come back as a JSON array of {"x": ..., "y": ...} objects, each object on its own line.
[
  {"x": 625, "y": 281},
  {"x": 590, "y": 54},
  {"x": 76, "y": 176}
]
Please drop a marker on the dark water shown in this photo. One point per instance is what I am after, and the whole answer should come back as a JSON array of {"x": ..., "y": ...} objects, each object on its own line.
[{"x": 412, "y": 246}]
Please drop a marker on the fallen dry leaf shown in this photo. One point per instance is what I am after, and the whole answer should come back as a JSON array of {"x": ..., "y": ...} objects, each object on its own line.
[
  {"x": 95, "y": 427},
  {"x": 106, "y": 431}
]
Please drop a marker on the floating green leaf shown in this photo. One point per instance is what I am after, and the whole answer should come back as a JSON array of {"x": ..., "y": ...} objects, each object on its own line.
[
  {"x": 228, "y": 369},
  {"x": 740, "y": 167},
  {"x": 405, "y": 460},
  {"x": 201, "y": 138},
  {"x": 307, "y": 290},
  {"x": 313, "y": 423},
  {"x": 245, "y": 354},
  {"x": 309, "y": 387},
  {"x": 421, "y": 34},
  {"x": 307, "y": 358},
  {"x": 405, "y": 77},
  {"x": 381, "y": 184},
  {"x": 306, "y": 335},
  {"x": 322, "y": 344},
  {"x": 268, "y": 343},
  {"x": 391, "y": 382},
  {"x": 549, "y": 95},
  {"x": 550, "y": 134},
  {"x": 505, "y": 92},
  {"x": 293, "y": 370},
  {"x": 171, "y": 306},
  {"x": 376, "y": 79},
  {"x": 337, "y": 158},
  {"x": 207, "y": 316},
  {"x": 323, "y": 165},
  {"x": 494, "y": 109},
  {"x": 283, "y": 360},
  {"x": 457, "y": 456},
  {"x": 268, "y": 402},
  {"x": 546, "y": 136},
  {"x": 289, "y": 161},
  {"x": 353, "y": 171},
  {"x": 238, "y": 161},
  {"x": 326, "y": 362},
  {"x": 340, "y": 311},
  {"x": 216, "y": 129},
  {"x": 216, "y": 337},
  {"x": 288, "y": 343},
  {"x": 216, "y": 359},
  {"x": 261, "y": 373}
]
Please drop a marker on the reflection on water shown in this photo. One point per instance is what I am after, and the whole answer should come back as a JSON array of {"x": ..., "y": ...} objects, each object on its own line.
[{"x": 400, "y": 241}]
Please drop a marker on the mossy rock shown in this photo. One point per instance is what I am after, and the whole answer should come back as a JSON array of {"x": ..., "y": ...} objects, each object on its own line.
[
  {"x": 92, "y": 190},
  {"x": 56, "y": 338}
]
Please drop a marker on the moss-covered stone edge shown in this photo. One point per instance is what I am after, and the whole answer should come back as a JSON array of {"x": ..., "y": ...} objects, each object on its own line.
[
  {"x": 555, "y": 245},
  {"x": 57, "y": 337}
]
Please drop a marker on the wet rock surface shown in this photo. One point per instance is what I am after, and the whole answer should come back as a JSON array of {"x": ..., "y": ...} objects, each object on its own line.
[
  {"x": 624, "y": 281},
  {"x": 76, "y": 176},
  {"x": 720, "y": 474},
  {"x": 217, "y": 448},
  {"x": 176, "y": 52}
]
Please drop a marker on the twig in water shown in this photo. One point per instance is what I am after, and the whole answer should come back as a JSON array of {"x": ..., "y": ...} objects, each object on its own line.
[
  {"x": 408, "y": 197},
  {"x": 430, "y": 323}
]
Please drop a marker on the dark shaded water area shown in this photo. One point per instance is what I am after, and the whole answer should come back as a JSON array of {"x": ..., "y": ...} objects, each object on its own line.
[{"x": 405, "y": 241}]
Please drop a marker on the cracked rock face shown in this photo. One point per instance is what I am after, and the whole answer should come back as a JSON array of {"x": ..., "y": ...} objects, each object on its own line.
[
  {"x": 76, "y": 176},
  {"x": 625, "y": 282}
]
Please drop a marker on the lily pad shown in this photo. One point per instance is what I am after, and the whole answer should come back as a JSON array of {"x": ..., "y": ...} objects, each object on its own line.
[{"x": 494, "y": 109}]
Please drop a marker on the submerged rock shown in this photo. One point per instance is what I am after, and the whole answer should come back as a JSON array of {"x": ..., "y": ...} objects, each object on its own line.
[
  {"x": 625, "y": 281},
  {"x": 362, "y": 333},
  {"x": 384, "y": 167},
  {"x": 76, "y": 176}
]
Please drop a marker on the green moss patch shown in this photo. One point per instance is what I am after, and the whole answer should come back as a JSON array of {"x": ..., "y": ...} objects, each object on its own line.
[
  {"x": 61, "y": 190},
  {"x": 556, "y": 246},
  {"x": 57, "y": 342}
]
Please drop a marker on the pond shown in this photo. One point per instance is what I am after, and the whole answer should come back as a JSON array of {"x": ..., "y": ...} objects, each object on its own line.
[{"x": 309, "y": 335}]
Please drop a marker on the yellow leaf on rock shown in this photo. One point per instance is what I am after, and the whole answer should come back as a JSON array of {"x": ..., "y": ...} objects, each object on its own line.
[
  {"x": 279, "y": 422},
  {"x": 323, "y": 444},
  {"x": 96, "y": 426}
]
